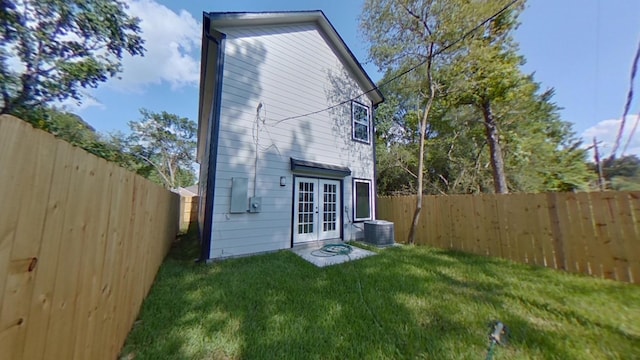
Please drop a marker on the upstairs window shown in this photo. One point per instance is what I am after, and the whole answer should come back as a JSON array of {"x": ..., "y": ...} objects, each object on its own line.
[{"x": 360, "y": 122}]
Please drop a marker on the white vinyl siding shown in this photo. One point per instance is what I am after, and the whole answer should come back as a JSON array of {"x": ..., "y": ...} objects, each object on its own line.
[{"x": 292, "y": 71}]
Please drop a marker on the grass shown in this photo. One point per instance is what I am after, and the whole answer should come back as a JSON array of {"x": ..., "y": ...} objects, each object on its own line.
[{"x": 406, "y": 302}]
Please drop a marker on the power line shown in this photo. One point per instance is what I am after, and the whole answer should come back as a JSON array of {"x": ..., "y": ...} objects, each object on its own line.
[
  {"x": 396, "y": 77},
  {"x": 633, "y": 130},
  {"x": 627, "y": 105}
]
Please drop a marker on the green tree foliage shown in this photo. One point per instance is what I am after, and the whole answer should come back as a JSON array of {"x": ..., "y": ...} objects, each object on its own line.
[
  {"x": 51, "y": 49},
  {"x": 485, "y": 72},
  {"x": 621, "y": 174},
  {"x": 165, "y": 144},
  {"x": 73, "y": 129},
  {"x": 404, "y": 35},
  {"x": 480, "y": 75},
  {"x": 157, "y": 140}
]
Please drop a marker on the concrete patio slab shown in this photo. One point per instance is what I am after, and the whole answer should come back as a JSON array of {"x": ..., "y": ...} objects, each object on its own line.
[{"x": 314, "y": 254}]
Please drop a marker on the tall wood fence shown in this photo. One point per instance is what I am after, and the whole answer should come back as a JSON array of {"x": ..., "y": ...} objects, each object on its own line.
[
  {"x": 188, "y": 212},
  {"x": 81, "y": 241},
  {"x": 595, "y": 233}
]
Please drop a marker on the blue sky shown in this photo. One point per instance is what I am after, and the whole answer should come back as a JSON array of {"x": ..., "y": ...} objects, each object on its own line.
[{"x": 582, "y": 48}]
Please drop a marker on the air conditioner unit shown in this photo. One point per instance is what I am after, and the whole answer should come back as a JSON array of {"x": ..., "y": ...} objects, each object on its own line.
[{"x": 379, "y": 233}]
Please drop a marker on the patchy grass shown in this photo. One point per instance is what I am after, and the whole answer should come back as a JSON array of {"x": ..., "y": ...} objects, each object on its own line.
[{"x": 406, "y": 302}]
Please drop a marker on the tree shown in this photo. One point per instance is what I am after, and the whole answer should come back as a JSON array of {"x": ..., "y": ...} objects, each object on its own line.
[
  {"x": 490, "y": 128},
  {"x": 74, "y": 130},
  {"x": 53, "y": 48},
  {"x": 166, "y": 144},
  {"x": 485, "y": 72},
  {"x": 408, "y": 35},
  {"x": 621, "y": 174},
  {"x": 541, "y": 151}
]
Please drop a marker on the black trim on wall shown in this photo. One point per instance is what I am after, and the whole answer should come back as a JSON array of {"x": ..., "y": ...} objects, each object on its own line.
[
  {"x": 353, "y": 199},
  {"x": 369, "y": 130},
  {"x": 375, "y": 165},
  {"x": 293, "y": 206},
  {"x": 342, "y": 210},
  {"x": 207, "y": 228}
]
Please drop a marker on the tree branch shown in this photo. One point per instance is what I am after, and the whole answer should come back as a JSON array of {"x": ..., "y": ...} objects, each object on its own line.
[{"x": 157, "y": 167}]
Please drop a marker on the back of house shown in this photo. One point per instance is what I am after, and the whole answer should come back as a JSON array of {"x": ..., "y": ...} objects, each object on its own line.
[{"x": 286, "y": 140}]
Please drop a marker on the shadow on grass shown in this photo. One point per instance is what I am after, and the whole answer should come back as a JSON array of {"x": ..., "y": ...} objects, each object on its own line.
[{"x": 406, "y": 302}]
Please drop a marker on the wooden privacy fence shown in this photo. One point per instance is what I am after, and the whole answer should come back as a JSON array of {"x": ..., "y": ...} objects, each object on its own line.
[
  {"x": 81, "y": 241},
  {"x": 594, "y": 233},
  {"x": 188, "y": 212}
]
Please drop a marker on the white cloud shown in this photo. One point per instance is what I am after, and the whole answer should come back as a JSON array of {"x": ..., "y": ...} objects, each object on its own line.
[
  {"x": 606, "y": 132},
  {"x": 172, "y": 42},
  {"x": 75, "y": 106}
]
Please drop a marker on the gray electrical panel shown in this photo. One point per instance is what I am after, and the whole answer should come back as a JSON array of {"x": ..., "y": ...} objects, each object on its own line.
[{"x": 239, "y": 189}]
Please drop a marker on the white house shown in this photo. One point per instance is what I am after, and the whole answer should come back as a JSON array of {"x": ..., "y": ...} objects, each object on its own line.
[{"x": 285, "y": 134}]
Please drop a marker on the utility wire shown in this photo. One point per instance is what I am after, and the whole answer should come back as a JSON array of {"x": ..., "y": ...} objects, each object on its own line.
[
  {"x": 396, "y": 77},
  {"x": 633, "y": 130},
  {"x": 627, "y": 105}
]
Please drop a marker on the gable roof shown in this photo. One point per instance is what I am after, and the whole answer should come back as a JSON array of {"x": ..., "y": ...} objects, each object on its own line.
[{"x": 317, "y": 17}]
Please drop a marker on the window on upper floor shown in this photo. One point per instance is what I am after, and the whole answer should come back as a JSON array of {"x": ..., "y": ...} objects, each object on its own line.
[
  {"x": 360, "y": 122},
  {"x": 361, "y": 199}
]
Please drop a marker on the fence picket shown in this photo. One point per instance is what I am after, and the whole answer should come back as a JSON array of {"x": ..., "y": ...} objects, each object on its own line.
[
  {"x": 480, "y": 225},
  {"x": 615, "y": 217},
  {"x": 492, "y": 225},
  {"x": 26, "y": 244},
  {"x": 633, "y": 239},
  {"x": 544, "y": 237},
  {"x": 585, "y": 216},
  {"x": 517, "y": 224},
  {"x": 42, "y": 297}
]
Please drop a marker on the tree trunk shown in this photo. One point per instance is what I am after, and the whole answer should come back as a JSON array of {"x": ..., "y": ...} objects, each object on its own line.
[
  {"x": 497, "y": 162},
  {"x": 423, "y": 130}
]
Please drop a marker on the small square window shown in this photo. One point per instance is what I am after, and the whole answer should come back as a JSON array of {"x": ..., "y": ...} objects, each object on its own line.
[
  {"x": 361, "y": 200},
  {"x": 360, "y": 121}
]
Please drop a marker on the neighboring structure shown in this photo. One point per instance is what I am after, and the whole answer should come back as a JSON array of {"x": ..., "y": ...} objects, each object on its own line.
[
  {"x": 188, "y": 206},
  {"x": 189, "y": 191},
  {"x": 285, "y": 134}
]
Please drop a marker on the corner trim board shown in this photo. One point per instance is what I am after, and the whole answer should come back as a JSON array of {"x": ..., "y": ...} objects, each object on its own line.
[{"x": 207, "y": 228}]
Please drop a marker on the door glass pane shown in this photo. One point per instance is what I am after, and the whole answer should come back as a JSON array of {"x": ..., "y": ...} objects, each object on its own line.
[
  {"x": 305, "y": 207},
  {"x": 329, "y": 222}
]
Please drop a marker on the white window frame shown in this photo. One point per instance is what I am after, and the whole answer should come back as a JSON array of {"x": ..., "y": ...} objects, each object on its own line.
[
  {"x": 355, "y": 200},
  {"x": 354, "y": 120}
]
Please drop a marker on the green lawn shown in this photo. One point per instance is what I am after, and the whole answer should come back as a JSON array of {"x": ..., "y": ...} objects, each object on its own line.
[{"x": 406, "y": 302}]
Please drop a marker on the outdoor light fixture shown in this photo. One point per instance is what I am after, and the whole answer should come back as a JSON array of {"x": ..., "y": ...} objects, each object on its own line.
[{"x": 283, "y": 181}]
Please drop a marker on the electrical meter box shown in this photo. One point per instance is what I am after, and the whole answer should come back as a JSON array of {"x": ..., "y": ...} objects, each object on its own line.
[{"x": 255, "y": 204}]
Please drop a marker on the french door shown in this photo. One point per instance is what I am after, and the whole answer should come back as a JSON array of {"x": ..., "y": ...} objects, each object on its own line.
[{"x": 317, "y": 209}]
